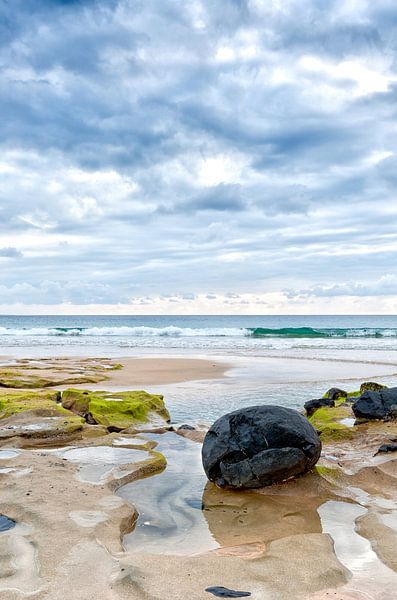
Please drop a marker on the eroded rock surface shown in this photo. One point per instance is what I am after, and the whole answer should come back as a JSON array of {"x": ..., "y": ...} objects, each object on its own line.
[
  {"x": 258, "y": 446},
  {"x": 118, "y": 410},
  {"x": 376, "y": 404}
]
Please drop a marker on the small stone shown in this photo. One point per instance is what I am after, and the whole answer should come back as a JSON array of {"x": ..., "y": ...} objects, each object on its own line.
[
  {"x": 222, "y": 592},
  {"x": 387, "y": 448}
]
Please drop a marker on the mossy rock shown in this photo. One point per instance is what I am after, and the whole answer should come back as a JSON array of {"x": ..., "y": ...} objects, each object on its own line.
[
  {"x": 117, "y": 410},
  {"x": 35, "y": 414},
  {"x": 14, "y": 379},
  {"x": 371, "y": 386},
  {"x": 14, "y": 402},
  {"x": 327, "y": 421}
]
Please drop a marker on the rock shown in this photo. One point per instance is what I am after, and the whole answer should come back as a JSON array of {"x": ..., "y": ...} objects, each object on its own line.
[
  {"x": 35, "y": 414},
  {"x": 117, "y": 410},
  {"x": 222, "y": 592},
  {"x": 260, "y": 445},
  {"x": 371, "y": 386},
  {"x": 187, "y": 427},
  {"x": 387, "y": 448},
  {"x": 313, "y": 405},
  {"x": 376, "y": 404},
  {"x": 335, "y": 394}
]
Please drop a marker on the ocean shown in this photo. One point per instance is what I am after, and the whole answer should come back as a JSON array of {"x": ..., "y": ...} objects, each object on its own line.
[{"x": 243, "y": 334}]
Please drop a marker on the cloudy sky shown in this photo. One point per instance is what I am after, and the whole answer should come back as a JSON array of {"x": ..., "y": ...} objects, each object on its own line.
[{"x": 196, "y": 156}]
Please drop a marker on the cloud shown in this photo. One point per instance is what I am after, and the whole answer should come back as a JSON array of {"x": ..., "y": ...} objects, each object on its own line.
[
  {"x": 10, "y": 253},
  {"x": 384, "y": 286},
  {"x": 159, "y": 148}
]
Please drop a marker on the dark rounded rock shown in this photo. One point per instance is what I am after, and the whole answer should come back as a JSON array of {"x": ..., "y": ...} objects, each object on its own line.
[
  {"x": 260, "y": 445},
  {"x": 379, "y": 404},
  {"x": 187, "y": 427},
  {"x": 312, "y": 405},
  {"x": 335, "y": 394}
]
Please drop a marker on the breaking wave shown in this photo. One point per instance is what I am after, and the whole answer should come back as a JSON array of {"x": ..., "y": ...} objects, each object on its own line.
[{"x": 175, "y": 331}]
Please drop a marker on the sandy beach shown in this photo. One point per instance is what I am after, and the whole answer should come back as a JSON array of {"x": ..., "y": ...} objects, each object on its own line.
[{"x": 103, "y": 515}]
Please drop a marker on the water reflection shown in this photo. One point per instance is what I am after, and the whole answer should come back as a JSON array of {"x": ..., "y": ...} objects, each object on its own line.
[{"x": 182, "y": 513}]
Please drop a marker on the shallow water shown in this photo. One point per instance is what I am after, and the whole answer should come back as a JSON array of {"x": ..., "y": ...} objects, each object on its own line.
[
  {"x": 338, "y": 519},
  {"x": 180, "y": 512},
  {"x": 96, "y": 463},
  {"x": 6, "y": 523}
]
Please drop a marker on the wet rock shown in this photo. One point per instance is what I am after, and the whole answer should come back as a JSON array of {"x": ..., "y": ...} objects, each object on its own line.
[
  {"x": 379, "y": 404},
  {"x": 387, "y": 448},
  {"x": 335, "y": 394},
  {"x": 371, "y": 386},
  {"x": 117, "y": 410},
  {"x": 313, "y": 405},
  {"x": 187, "y": 427},
  {"x": 222, "y": 592},
  {"x": 35, "y": 414},
  {"x": 260, "y": 445}
]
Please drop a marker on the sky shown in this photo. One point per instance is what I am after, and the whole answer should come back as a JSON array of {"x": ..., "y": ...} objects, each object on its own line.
[{"x": 173, "y": 156}]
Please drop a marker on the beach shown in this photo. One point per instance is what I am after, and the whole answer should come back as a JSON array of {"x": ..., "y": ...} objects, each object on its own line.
[{"x": 127, "y": 514}]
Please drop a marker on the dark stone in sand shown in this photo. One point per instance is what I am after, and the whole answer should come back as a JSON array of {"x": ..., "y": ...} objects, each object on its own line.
[
  {"x": 371, "y": 386},
  {"x": 312, "y": 405},
  {"x": 6, "y": 523},
  {"x": 376, "y": 405},
  {"x": 223, "y": 592},
  {"x": 387, "y": 448},
  {"x": 336, "y": 393},
  {"x": 260, "y": 445},
  {"x": 185, "y": 426}
]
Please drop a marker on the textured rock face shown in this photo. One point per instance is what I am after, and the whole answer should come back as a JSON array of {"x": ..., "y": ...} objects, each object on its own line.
[
  {"x": 258, "y": 446},
  {"x": 120, "y": 410},
  {"x": 371, "y": 386},
  {"x": 312, "y": 405},
  {"x": 376, "y": 404},
  {"x": 336, "y": 393}
]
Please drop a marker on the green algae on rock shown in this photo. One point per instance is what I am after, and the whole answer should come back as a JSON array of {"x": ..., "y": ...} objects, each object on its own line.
[
  {"x": 329, "y": 423},
  {"x": 117, "y": 410},
  {"x": 35, "y": 414}
]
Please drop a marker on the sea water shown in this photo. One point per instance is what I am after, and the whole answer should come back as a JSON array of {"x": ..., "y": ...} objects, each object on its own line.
[{"x": 225, "y": 333}]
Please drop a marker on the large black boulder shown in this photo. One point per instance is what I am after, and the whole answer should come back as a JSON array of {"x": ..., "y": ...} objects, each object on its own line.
[
  {"x": 376, "y": 404},
  {"x": 260, "y": 445}
]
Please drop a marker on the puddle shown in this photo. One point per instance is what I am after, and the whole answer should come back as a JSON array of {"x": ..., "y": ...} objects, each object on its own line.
[
  {"x": 353, "y": 551},
  {"x": 348, "y": 422},
  {"x": 181, "y": 513},
  {"x": 6, "y": 523},
  {"x": 97, "y": 462},
  {"x": 169, "y": 504},
  {"x": 7, "y": 454}
]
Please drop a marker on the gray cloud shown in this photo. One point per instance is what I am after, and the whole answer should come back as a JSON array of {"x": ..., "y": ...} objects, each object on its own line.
[{"x": 208, "y": 148}]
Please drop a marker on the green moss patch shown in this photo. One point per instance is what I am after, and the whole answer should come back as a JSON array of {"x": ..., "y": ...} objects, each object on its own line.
[
  {"x": 327, "y": 421},
  {"x": 35, "y": 414},
  {"x": 13, "y": 402},
  {"x": 118, "y": 410}
]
